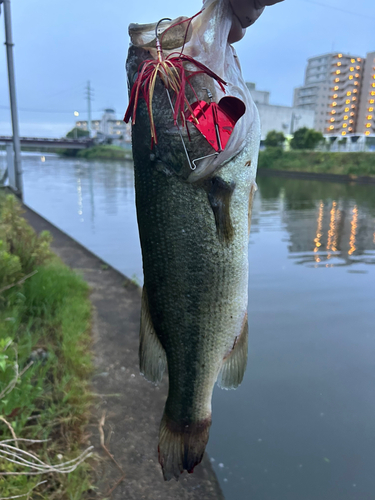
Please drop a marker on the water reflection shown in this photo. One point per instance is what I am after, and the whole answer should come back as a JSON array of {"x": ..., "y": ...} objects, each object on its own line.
[{"x": 324, "y": 221}]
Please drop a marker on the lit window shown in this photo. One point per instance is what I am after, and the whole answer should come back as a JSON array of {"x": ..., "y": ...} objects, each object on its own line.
[
  {"x": 349, "y": 93},
  {"x": 351, "y": 121},
  {"x": 333, "y": 112},
  {"x": 339, "y": 55},
  {"x": 369, "y": 117},
  {"x": 355, "y": 91},
  {"x": 334, "y": 103},
  {"x": 352, "y": 60},
  {"x": 337, "y": 80},
  {"x": 368, "y": 125},
  {"x": 359, "y": 59},
  {"x": 372, "y": 101},
  {"x": 331, "y": 127},
  {"x": 358, "y": 67},
  {"x": 332, "y": 120},
  {"x": 372, "y": 92},
  {"x": 352, "y": 114},
  {"x": 367, "y": 132},
  {"x": 346, "y": 117},
  {"x": 354, "y": 98},
  {"x": 343, "y": 132},
  {"x": 373, "y": 76},
  {"x": 352, "y": 106},
  {"x": 338, "y": 64},
  {"x": 357, "y": 75},
  {"x": 371, "y": 109},
  {"x": 346, "y": 110},
  {"x": 356, "y": 83},
  {"x": 351, "y": 68},
  {"x": 335, "y": 96},
  {"x": 338, "y": 72},
  {"x": 347, "y": 101},
  {"x": 350, "y": 129},
  {"x": 336, "y": 88},
  {"x": 373, "y": 84},
  {"x": 345, "y": 125},
  {"x": 350, "y": 77}
]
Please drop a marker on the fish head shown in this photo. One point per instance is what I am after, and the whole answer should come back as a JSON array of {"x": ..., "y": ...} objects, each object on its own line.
[{"x": 183, "y": 146}]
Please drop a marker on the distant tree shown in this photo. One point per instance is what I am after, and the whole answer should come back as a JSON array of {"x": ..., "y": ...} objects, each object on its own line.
[
  {"x": 274, "y": 139},
  {"x": 306, "y": 138},
  {"x": 77, "y": 133}
]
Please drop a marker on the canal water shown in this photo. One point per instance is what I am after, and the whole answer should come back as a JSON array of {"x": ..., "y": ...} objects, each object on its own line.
[{"x": 302, "y": 424}]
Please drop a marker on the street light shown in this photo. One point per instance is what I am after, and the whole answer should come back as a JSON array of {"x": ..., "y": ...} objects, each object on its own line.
[{"x": 76, "y": 113}]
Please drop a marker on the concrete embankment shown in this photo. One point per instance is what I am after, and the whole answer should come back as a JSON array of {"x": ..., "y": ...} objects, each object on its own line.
[{"x": 133, "y": 407}]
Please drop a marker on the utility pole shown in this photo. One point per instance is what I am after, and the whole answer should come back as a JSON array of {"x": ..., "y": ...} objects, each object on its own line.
[
  {"x": 89, "y": 98},
  {"x": 13, "y": 103}
]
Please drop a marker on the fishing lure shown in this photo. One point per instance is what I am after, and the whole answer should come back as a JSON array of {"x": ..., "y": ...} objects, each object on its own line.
[{"x": 174, "y": 76}]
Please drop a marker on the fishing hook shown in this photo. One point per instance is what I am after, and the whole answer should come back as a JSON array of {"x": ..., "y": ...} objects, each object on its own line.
[{"x": 157, "y": 25}]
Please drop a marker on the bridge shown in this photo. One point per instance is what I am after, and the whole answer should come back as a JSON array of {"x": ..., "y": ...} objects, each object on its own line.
[{"x": 64, "y": 143}]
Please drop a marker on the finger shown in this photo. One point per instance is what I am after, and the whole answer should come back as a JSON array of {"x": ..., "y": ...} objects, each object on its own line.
[{"x": 248, "y": 11}]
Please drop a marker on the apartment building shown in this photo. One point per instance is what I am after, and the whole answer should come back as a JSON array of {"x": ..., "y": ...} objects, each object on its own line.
[
  {"x": 108, "y": 126},
  {"x": 366, "y": 114},
  {"x": 345, "y": 90},
  {"x": 340, "y": 88},
  {"x": 314, "y": 94}
]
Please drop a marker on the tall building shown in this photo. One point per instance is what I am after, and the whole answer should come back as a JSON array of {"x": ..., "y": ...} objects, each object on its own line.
[
  {"x": 340, "y": 88},
  {"x": 366, "y": 115}
]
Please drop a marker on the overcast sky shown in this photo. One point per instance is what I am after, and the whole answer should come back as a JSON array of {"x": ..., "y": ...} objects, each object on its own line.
[{"x": 60, "y": 45}]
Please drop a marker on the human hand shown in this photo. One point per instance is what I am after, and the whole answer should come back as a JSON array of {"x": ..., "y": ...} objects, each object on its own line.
[{"x": 245, "y": 13}]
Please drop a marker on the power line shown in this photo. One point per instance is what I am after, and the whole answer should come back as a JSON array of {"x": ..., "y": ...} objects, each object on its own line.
[
  {"x": 340, "y": 9},
  {"x": 75, "y": 87},
  {"x": 30, "y": 110}
]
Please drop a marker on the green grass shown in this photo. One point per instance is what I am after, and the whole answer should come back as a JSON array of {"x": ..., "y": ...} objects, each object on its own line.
[
  {"x": 353, "y": 164},
  {"x": 45, "y": 319},
  {"x": 105, "y": 152}
]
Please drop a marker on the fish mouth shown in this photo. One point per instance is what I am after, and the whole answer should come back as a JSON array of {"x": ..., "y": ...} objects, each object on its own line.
[{"x": 174, "y": 33}]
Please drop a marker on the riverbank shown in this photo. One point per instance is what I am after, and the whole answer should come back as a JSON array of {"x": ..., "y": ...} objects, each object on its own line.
[
  {"x": 316, "y": 162},
  {"x": 128, "y": 405},
  {"x": 45, "y": 364},
  {"x": 99, "y": 152},
  {"x": 105, "y": 152}
]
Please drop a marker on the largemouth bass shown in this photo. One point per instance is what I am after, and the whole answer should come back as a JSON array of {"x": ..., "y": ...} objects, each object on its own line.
[{"x": 194, "y": 229}]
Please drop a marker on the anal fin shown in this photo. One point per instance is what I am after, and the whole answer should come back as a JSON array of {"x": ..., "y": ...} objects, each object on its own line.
[
  {"x": 152, "y": 358},
  {"x": 234, "y": 365}
]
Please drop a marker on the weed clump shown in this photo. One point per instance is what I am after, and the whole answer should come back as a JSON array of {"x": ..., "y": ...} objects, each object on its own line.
[{"x": 45, "y": 360}]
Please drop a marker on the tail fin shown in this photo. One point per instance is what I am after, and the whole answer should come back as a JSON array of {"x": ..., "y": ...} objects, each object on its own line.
[{"x": 181, "y": 447}]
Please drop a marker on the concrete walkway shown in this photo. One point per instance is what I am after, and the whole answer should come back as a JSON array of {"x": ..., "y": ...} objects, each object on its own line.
[{"x": 132, "y": 405}]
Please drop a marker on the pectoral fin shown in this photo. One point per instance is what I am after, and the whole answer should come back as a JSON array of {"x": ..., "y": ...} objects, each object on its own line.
[
  {"x": 234, "y": 366},
  {"x": 152, "y": 358},
  {"x": 219, "y": 195}
]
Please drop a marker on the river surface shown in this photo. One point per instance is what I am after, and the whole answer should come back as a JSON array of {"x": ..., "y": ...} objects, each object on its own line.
[{"x": 302, "y": 424}]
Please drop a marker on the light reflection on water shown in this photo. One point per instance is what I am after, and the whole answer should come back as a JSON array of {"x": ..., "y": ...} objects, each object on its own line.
[{"x": 301, "y": 426}]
